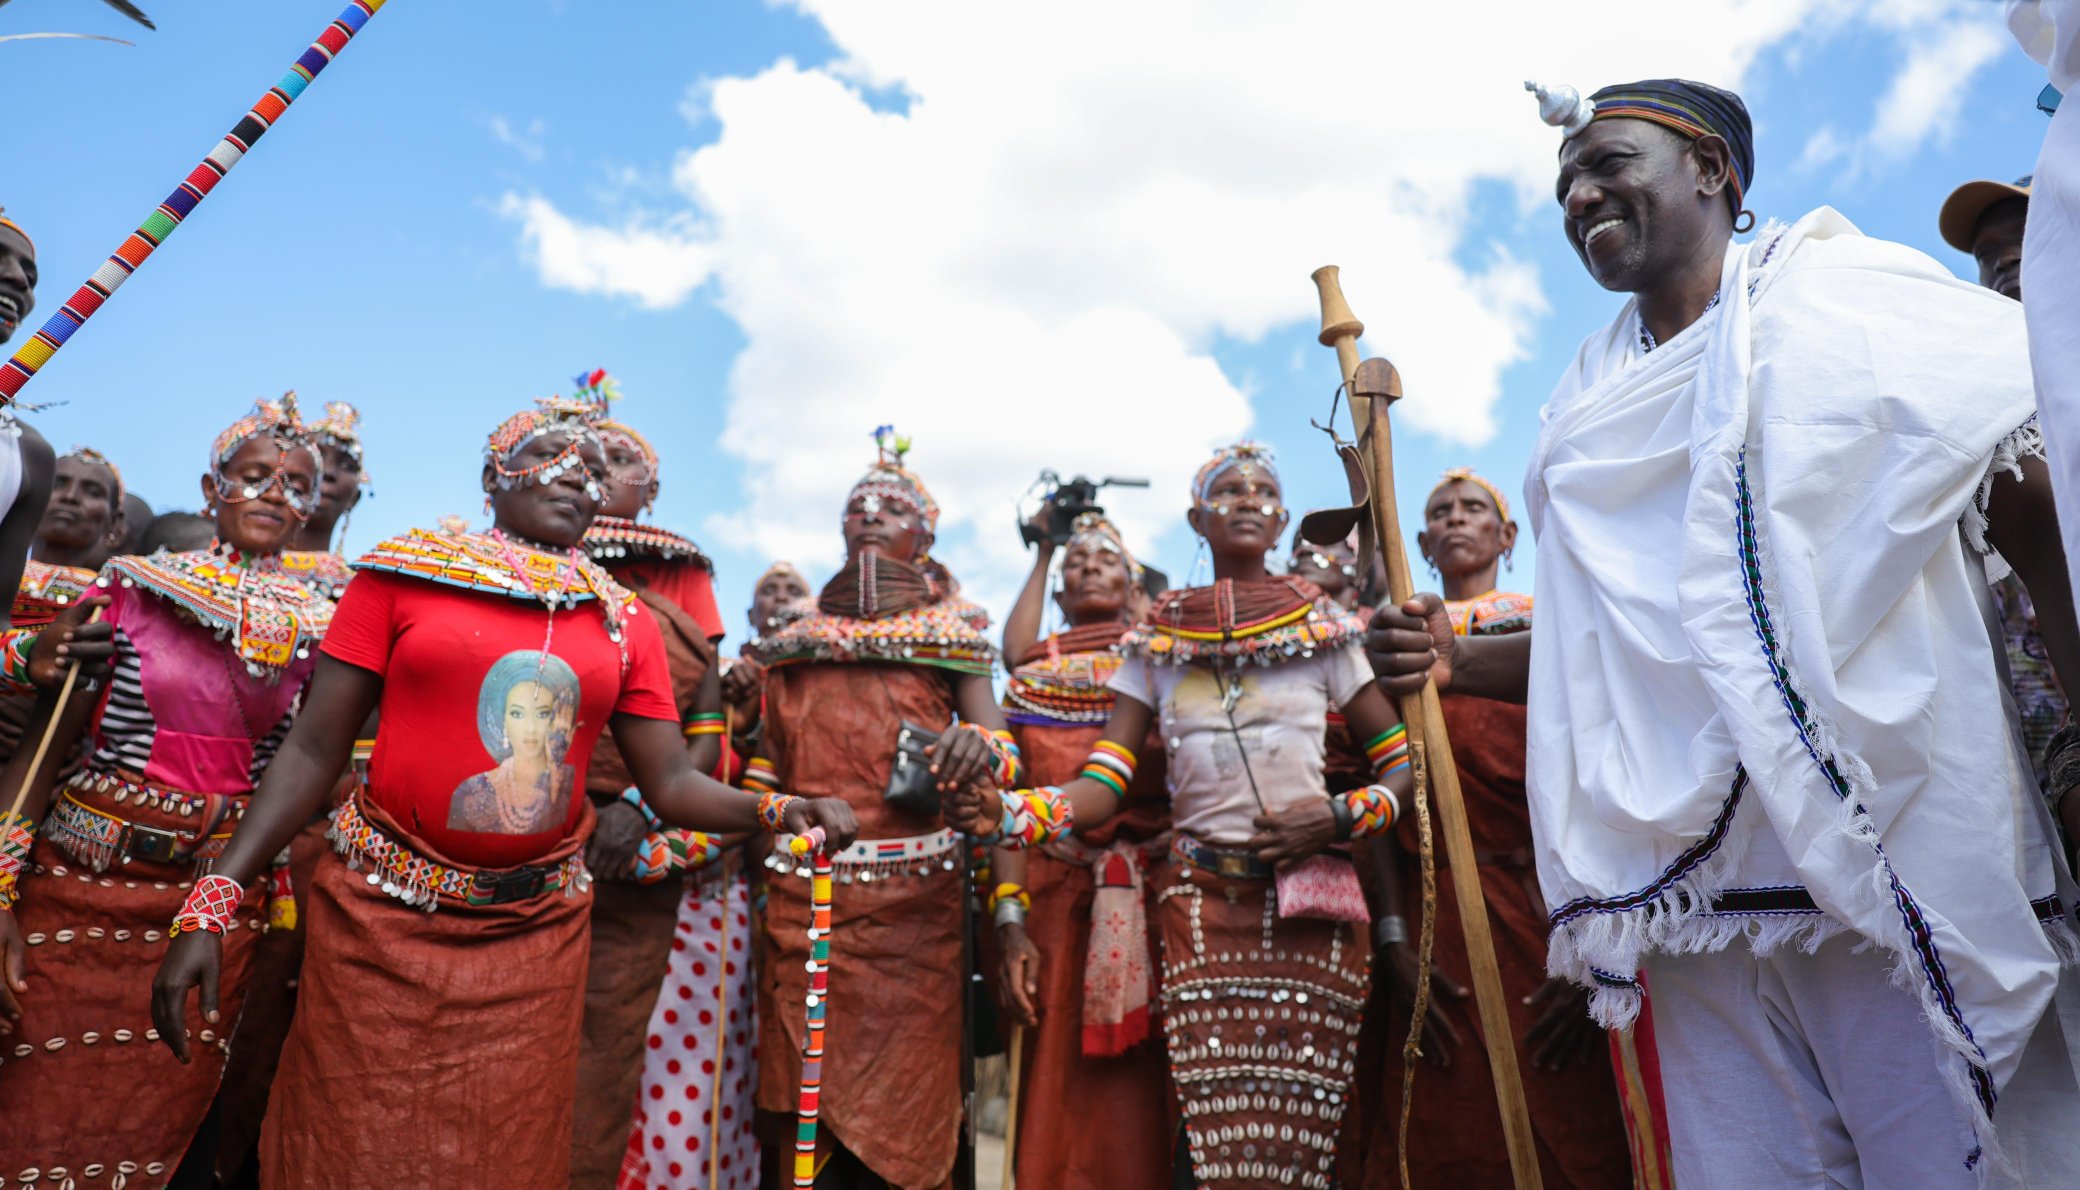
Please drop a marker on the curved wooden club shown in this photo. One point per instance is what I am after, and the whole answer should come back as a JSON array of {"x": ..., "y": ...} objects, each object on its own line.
[{"x": 1373, "y": 386}]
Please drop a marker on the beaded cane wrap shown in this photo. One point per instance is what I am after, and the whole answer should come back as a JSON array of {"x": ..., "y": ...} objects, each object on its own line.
[
  {"x": 815, "y": 1006},
  {"x": 163, "y": 221},
  {"x": 209, "y": 906}
]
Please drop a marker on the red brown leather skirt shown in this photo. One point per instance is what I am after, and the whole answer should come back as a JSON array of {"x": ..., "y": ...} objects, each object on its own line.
[
  {"x": 431, "y": 1049},
  {"x": 87, "y": 1091}
]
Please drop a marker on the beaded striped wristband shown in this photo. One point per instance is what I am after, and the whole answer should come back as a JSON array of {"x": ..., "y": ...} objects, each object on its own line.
[
  {"x": 704, "y": 723},
  {"x": 1111, "y": 765},
  {"x": 1010, "y": 892},
  {"x": 1373, "y": 810},
  {"x": 1034, "y": 816},
  {"x": 635, "y": 798},
  {"x": 760, "y": 776},
  {"x": 14, "y": 853},
  {"x": 1388, "y": 750},
  {"x": 15, "y": 645},
  {"x": 209, "y": 906}
]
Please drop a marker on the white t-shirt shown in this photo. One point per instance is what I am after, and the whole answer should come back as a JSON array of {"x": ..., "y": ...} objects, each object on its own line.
[{"x": 1281, "y": 717}]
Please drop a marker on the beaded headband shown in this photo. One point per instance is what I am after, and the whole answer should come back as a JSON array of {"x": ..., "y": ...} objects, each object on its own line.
[
  {"x": 341, "y": 427},
  {"x": 1457, "y": 474},
  {"x": 276, "y": 419},
  {"x": 87, "y": 454},
  {"x": 780, "y": 570},
  {"x": 6, "y": 222},
  {"x": 888, "y": 481},
  {"x": 1092, "y": 531},
  {"x": 599, "y": 390},
  {"x": 1250, "y": 456},
  {"x": 551, "y": 415}
]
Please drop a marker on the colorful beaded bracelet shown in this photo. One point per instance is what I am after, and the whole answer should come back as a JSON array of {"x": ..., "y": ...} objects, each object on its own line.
[
  {"x": 1372, "y": 810},
  {"x": 1034, "y": 816},
  {"x": 209, "y": 906},
  {"x": 772, "y": 810},
  {"x": 1110, "y": 765},
  {"x": 14, "y": 853},
  {"x": 1388, "y": 750}
]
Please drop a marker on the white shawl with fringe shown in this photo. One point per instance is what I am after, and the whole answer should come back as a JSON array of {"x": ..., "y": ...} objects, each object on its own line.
[{"x": 1762, "y": 662}]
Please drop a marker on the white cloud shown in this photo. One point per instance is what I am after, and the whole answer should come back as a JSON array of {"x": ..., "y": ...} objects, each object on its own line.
[
  {"x": 1028, "y": 266},
  {"x": 525, "y": 141},
  {"x": 1924, "y": 98}
]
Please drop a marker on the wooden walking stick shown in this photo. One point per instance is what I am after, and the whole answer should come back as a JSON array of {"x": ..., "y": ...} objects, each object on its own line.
[
  {"x": 1018, "y": 1049},
  {"x": 43, "y": 746},
  {"x": 1372, "y": 387},
  {"x": 721, "y": 1035}
]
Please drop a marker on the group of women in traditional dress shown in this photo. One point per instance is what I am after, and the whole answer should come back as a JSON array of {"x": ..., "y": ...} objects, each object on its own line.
[{"x": 463, "y": 871}]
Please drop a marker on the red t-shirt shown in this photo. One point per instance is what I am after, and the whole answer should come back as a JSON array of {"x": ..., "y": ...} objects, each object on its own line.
[
  {"x": 688, "y": 585},
  {"x": 483, "y": 745}
]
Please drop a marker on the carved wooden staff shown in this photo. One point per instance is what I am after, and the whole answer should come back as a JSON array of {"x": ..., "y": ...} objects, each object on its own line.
[{"x": 1372, "y": 387}]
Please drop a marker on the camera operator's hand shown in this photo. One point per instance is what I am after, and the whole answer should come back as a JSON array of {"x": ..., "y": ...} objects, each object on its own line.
[{"x": 1037, "y": 526}]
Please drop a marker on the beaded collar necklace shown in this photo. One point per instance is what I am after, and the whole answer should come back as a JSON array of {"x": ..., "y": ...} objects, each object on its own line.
[
  {"x": 274, "y": 618},
  {"x": 613, "y": 539},
  {"x": 1647, "y": 341}
]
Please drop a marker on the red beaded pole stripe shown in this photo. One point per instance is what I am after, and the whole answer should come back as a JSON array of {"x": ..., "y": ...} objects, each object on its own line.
[
  {"x": 162, "y": 222},
  {"x": 812, "y": 1033}
]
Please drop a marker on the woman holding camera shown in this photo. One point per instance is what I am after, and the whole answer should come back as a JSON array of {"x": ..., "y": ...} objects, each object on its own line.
[
  {"x": 1265, "y": 946},
  {"x": 861, "y": 697},
  {"x": 1075, "y": 972}
]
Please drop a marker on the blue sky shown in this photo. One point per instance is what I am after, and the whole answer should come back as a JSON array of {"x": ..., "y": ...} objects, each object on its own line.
[{"x": 779, "y": 225}]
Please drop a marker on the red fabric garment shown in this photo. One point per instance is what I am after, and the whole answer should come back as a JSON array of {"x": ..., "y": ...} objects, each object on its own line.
[
  {"x": 1455, "y": 1132},
  {"x": 687, "y": 584},
  {"x": 1063, "y": 1089},
  {"x": 456, "y": 666}
]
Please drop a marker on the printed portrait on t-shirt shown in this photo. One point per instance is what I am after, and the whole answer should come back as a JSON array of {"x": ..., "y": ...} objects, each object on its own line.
[{"x": 527, "y": 713}]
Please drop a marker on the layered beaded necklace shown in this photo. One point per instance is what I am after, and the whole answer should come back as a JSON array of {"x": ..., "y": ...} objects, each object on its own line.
[{"x": 1647, "y": 341}]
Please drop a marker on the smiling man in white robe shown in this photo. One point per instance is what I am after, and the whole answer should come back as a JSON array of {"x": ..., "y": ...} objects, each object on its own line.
[{"x": 1771, "y": 765}]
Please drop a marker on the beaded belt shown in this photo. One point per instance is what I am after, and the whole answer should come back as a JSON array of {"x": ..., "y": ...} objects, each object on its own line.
[
  {"x": 869, "y": 860},
  {"x": 420, "y": 882},
  {"x": 1235, "y": 863},
  {"x": 97, "y": 839}
]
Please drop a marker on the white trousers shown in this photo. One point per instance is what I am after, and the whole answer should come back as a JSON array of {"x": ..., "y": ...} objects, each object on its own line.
[{"x": 1802, "y": 1070}]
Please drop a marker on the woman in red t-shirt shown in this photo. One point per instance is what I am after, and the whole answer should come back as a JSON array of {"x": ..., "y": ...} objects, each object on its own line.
[{"x": 435, "y": 1039}]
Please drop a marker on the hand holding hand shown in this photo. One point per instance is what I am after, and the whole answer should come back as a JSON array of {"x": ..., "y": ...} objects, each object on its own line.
[
  {"x": 959, "y": 758},
  {"x": 977, "y": 809},
  {"x": 615, "y": 841}
]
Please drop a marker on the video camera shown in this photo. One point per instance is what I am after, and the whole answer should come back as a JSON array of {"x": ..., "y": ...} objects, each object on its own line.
[{"x": 1065, "y": 501}]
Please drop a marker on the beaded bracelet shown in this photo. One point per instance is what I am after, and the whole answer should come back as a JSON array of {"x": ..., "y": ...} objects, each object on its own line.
[
  {"x": 772, "y": 810},
  {"x": 635, "y": 798},
  {"x": 1388, "y": 751},
  {"x": 209, "y": 906},
  {"x": 14, "y": 853},
  {"x": 1034, "y": 816},
  {"x": 760, "y": 776},
  {"x": 1007, "y": 891},
  {"x": 704, "y": 723},
  {"x": 1003, "y": 752},
  {"x": 1373, "y": 810},
  {"x": 15, "y": 646},
  {"x": 1110, "y": 765}
]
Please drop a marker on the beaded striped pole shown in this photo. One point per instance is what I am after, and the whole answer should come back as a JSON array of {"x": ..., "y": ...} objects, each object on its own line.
[
  {"x": 817, "y": 1001},
  {"x": 162, "y": 222}
]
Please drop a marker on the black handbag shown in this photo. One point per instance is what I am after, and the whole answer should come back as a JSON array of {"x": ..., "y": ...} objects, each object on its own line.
[{"x": 910, "y": 785}]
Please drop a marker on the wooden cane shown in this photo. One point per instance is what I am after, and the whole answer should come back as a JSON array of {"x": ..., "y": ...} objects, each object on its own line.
[
  {"x": 43, "y": 746},
  {"x": 1018, "y": 1052},
  {"x": 1428, "y": 742}
]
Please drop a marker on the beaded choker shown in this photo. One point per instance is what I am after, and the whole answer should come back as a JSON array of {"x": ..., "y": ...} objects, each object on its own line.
[
  {"x": 1265, "y": 622},
  {"x": 1064, "y": 678},
  {"x": 612, "y": 539},
  {"x": 275, "y": 618},
  {"x": 949, "y": 634}
]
